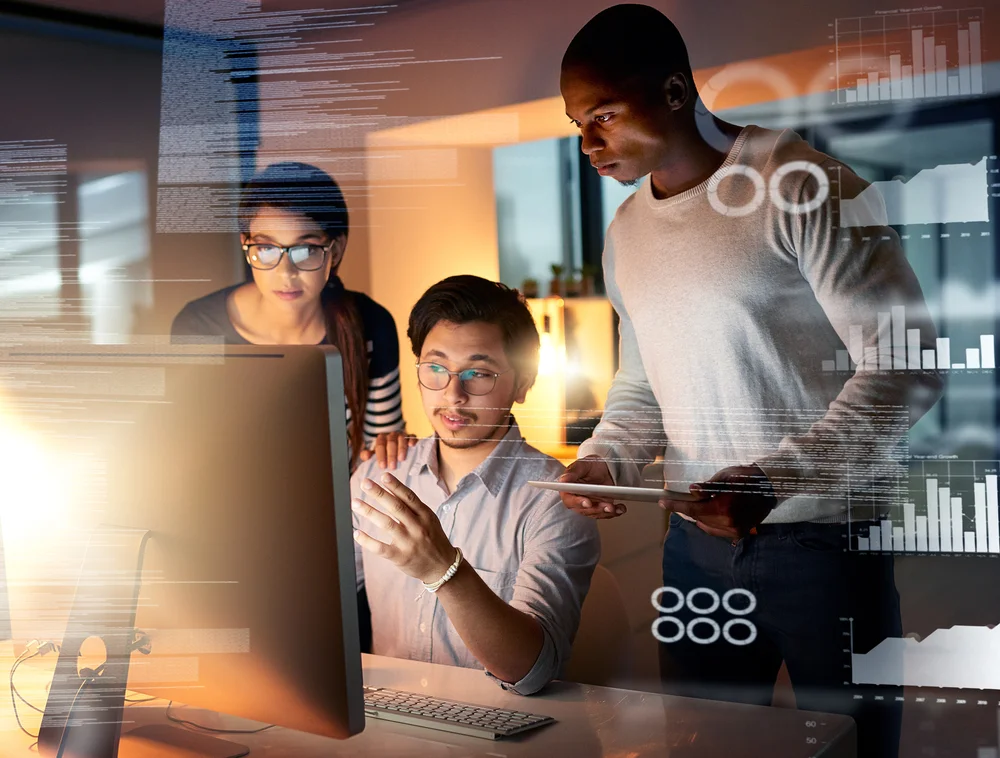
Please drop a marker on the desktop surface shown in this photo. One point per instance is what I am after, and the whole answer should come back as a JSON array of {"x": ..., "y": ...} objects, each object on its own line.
[{"x": 590, "y": 722}]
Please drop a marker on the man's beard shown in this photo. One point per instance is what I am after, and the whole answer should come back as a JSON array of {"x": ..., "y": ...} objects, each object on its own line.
[
  {"x": 629, "y": 182},
  {"x": 459, "y": 443}
]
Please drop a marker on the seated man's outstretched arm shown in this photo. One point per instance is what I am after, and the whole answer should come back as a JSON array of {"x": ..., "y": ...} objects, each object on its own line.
[{"x": 524, "y": 649}]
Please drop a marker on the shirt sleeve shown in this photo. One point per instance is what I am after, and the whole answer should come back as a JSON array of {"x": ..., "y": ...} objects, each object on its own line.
[
  {"x": 561, "y": 551},
  {"x": 187, "y": 326},
  {"x": 855, "y": 272},
  {"x": 630, "y": 433},
  {"x": 359, "y": 564},
  {"x": 204, "y": 321},
  {"x": 384, "y": 409}
]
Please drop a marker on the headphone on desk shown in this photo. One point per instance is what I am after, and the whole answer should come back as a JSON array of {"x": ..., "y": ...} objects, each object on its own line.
[{"x": 140, "y": 642}]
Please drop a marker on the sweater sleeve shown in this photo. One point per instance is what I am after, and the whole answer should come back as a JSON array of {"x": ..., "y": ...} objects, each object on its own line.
[
  {"x": 384, "y": 409},
  {"x": 630, "y": 434},
  {"x": 187, "y": 326},
  {"x": 206, "y": 320},
  {"x": 855, "y": 273}
]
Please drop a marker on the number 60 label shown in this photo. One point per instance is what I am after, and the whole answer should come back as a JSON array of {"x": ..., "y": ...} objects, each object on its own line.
[{"x": 701, "y": 629}]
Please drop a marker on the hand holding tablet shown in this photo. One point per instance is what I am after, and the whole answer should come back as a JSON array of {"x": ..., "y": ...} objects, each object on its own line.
[
  {"x": 588, "y": 489},
  {"x": 611, "y": 493}
]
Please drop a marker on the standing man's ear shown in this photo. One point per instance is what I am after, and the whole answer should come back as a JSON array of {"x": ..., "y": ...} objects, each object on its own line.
[{"x": 677, "y": 91}]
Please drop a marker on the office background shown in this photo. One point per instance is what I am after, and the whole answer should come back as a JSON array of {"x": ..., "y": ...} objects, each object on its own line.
[{"x": 458, "y": 159}]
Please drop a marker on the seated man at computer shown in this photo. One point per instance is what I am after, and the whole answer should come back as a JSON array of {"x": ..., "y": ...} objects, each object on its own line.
[{"x": 463, "y": 562}]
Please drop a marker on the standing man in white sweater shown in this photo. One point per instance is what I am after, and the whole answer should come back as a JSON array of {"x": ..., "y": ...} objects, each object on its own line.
[{"x": 734, "y": 282}]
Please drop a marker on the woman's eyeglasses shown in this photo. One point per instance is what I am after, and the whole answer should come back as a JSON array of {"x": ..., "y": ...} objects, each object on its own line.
[
  {"x": 474, "y": 381},
  {"x": 264, "y": 257}
]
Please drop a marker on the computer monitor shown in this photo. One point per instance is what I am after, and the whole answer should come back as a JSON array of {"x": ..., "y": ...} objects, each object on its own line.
[{"x": 234, "y": 484}]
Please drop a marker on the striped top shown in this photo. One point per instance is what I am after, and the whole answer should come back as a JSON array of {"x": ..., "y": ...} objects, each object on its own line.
[
  {"x": 384, "y": 410},
  {"x": 207, "y": 317}
]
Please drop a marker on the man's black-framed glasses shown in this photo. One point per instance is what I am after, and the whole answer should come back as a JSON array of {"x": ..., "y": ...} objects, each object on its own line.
[
  {"x": 265, "y": 256},
  {"x": 474, "y": 381}
]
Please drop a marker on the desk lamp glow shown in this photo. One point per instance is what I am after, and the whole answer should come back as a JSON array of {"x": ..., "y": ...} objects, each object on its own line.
[{"x": 34, "y": 492}]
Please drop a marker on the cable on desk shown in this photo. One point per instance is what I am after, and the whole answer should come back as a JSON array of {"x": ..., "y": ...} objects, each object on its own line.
[
  {"x": 13, "y": 688},
  {"x": 134, "y": 700},
  {"x": 32, "y": 650}
]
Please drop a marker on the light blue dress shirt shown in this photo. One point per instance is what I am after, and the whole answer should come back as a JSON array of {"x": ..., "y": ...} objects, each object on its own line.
[{"x": 528, "y": 548}]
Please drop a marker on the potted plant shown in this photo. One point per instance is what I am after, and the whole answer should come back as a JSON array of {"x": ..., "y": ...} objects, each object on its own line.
[
  {"x": 588, "y": 279},
  {"x": 572, "y": 285},
  {"x": 556, "y": 287},
  {"x": 529, "y": 288}
]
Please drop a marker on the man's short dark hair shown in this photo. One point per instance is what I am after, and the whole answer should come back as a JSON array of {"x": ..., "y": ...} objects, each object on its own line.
[
  {"x": 630, "y": 44},
  {"x": 466, "y": 299}
]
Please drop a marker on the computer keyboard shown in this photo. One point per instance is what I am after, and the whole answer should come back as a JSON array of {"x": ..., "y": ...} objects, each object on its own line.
[{"x": 448, "y": 715}]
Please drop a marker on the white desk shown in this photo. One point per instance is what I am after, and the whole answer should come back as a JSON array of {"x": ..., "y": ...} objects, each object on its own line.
[{"x": 592, "y": 722}]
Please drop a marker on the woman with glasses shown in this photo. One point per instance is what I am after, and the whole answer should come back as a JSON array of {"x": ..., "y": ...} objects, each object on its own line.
[{"x": 293, "y": 225}]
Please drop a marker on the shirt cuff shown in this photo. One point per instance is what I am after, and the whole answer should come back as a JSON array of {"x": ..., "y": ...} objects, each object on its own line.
[{"x": 543, "y": 672}]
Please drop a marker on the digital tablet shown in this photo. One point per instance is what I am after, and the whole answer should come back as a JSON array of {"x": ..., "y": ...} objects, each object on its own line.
[{"x": 611, "y": 494}]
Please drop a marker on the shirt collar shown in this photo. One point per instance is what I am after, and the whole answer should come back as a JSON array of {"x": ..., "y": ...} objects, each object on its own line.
[{"x": 492, "y": 472}]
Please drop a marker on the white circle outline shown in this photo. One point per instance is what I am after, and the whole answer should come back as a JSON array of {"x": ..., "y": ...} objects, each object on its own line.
[
  {"x": 732, "y": 640},
  {"x": 737, "y": 211},
  {"x": 708, "y": 591},
  {"x": 791, "y": 167},
  {"x": 660, "y": 608},
  {"x": 677, "y": 637},
  {"x": 735, "y": 73},
  {"x": 739, "y": 591},
  {"x": 716, "y": 632}
]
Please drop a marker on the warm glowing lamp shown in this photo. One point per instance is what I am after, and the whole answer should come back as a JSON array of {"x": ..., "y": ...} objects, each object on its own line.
[{"x": 35, "y": 491}]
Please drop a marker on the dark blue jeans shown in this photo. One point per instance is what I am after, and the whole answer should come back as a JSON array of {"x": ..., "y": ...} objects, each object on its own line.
[{"x": 804, "y": 582}]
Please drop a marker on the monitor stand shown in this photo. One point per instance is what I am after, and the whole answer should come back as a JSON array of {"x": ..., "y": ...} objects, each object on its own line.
[
  {"x": 168, "y": 741},
  {"x": 85, "y": 712},
  {"x": 85, "y": 706}
]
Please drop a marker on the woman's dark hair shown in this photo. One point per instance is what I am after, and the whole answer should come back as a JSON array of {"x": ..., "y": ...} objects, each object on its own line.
[
  {"x": 308, "y": 191},
  {"x": 464, "y": 299},
  {"x": 630, "y": 44}
]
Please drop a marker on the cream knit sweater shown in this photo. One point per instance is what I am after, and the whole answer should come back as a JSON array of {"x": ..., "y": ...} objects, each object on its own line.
[{"x": 727, "y": 318}]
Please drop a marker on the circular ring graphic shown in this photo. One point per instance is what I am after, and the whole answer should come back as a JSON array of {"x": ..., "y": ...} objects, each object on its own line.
[
  {"x": 704, "y": 590},
  {"x": 791, "y": 167},
  {"x": 680, "y": 629},
  {"x": 735, "y": 211},
  {"x": 703, "y": 640},
  {"x": 738, "y": 73},
  {"x": 677, "y": 593},
  {"x": 727, "y": 632},
  {"x": 738, "y": 591}
]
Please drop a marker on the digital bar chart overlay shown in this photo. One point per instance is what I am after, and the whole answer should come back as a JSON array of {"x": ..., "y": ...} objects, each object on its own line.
[
  {"x": 960, "y": 657},
  {"x": 899, "y": 349},
  {"x": 945, "y": 194},
  {"x": 900, "y": 55},
  {"x": 953, "y": 507}
]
